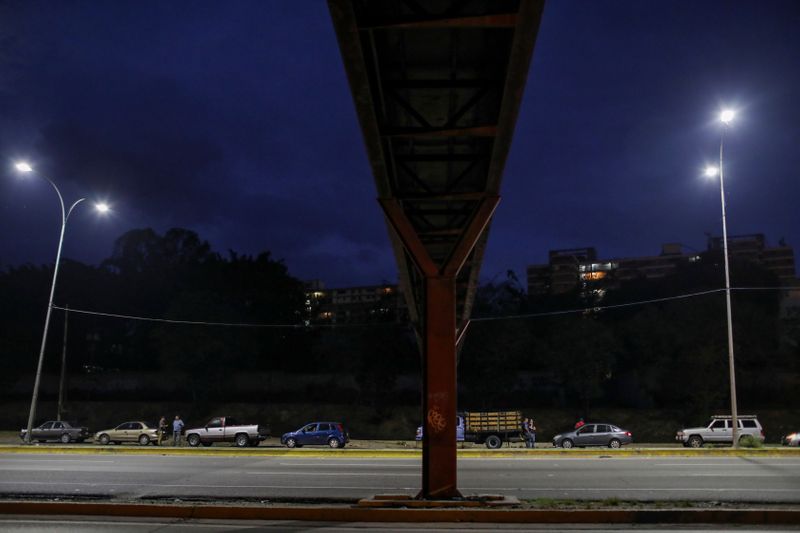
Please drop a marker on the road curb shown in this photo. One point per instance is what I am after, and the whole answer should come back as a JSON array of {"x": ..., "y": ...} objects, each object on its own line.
[
  {"x": 518, "y": 453},
  {"x": 353, "y": 514}
]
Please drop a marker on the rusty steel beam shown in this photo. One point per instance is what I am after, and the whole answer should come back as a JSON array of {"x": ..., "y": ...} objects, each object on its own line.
[
  {"x": 405, "y": 231},
  {"x": 439, "y": 454},
  {"x": 470, "y": 237},
  {"x": 530, "y": 15}
]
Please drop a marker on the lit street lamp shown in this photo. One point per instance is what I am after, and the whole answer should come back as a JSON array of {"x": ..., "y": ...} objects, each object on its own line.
[
  {"x": 726, "y": 116},
  {"x": 25, "y": 168}
]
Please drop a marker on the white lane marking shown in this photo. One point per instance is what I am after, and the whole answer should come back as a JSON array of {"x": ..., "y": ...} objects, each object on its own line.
[
  {"x": 317, "y": 465},
  {"x": 198, "y": 486},
  {"x": 507, "y": 489},
  {"x": 56, "y": 461},
  {"x": 732, "y": 465},
  {"x": 621, "y": 490},
  {"x": 743, "y": 475},
  {"x": 37, "y": 525},
  {"x": 358, "y": 474}
]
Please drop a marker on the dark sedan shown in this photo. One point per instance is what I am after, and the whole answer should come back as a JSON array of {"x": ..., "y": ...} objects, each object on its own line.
[
  {"x": 334, "y": 434},
  {"x": 594, "y": 435},
  {"x": 58, "y": 431}
]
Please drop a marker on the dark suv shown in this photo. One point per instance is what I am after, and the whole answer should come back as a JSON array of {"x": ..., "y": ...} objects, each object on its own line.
[{"x": 332, "y": 434}]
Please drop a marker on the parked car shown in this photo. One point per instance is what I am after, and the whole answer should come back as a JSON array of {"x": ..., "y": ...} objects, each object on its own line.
[
  {"x": 459, "y": 430},
  {"x": 334, "y": 434},
  {"x": 57, "y": 430},
  {"x": 227, "y": 429},
  {"x": 594, "y": 435},
  {"x": 128, "y": 432},
  {"x": 720, "y": 431},
  {"x": 792, "y": 439}
]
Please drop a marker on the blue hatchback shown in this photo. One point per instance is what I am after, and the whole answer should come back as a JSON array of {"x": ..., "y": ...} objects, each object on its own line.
[{"x": 332, "y": 434}]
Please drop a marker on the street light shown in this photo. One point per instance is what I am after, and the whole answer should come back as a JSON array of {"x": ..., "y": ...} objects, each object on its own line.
[
  {"x": 726, "y": 116},
  {"x": 25, "y": 168}
]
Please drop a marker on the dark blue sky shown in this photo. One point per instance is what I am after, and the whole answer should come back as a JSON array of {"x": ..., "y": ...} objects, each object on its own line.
[{"x": 234, "y": 119}]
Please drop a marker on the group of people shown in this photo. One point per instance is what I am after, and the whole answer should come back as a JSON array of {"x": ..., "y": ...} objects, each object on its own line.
[
  {"x": 529, "y": 432},
  {"x": 177, "y": 430}
]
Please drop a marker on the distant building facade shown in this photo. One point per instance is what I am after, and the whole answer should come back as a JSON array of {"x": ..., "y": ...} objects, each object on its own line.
[
  {"x": 579, "y": 269},
  {"x": 354, "y": 305}
]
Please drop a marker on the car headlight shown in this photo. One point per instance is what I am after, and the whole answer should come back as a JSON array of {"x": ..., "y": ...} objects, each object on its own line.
[{"x": 791, "y": 436}]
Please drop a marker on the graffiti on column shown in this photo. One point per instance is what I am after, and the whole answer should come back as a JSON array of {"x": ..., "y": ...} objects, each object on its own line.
[{"x": 436, "y": 421}]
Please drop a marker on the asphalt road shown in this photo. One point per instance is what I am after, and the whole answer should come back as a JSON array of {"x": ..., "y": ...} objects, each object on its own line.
[
  {"x": 733, "y": 479},
  {"x": 69, "y": 524}
]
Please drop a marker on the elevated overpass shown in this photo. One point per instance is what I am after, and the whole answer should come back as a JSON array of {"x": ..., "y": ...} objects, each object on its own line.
[{"x": 437, "y": 86}]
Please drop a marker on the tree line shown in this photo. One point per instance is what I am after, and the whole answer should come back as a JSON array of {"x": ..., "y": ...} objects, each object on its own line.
[{"x": 667, "y": 354}]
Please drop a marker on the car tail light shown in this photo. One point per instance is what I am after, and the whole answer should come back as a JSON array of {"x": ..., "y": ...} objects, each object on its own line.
[
  {"x": 762, "y": 434},
  {"x": 341, "y": 428},
  {"x": 629, "y": 434}
]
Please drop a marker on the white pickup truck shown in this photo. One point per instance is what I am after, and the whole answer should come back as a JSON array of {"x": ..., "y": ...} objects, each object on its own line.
[{"x": 227, "y": 429}]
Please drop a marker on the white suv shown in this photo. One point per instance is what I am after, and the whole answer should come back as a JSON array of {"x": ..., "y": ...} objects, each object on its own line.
[{"x": 719, "y": 430}]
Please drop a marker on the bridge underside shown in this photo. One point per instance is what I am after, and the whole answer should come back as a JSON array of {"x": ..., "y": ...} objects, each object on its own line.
[{"x": 437, "y": 86}]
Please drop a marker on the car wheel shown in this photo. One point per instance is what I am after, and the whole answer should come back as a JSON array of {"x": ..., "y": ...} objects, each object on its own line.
[
  {"x": 291, "y": 443},
  {"x": 65, "y": 438},
  {"x": 615, "y": 443},
  {"x": 333, "y": 442},
  {"x": 493, "y": 442},
  {"x": 695, "y": 441},
  {"x": 242, "y": 440},
  {"x": 104, "y": 439},
  {"x": 567, "y": 443},
  {"x": 144, "y": 440},
  {"x": 194, "y": 440}
]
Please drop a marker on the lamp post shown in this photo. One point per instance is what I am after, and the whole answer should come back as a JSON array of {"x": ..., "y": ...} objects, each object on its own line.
[
  {"x": 65, "y": 213},
  {"x": 726, "y": 116}
]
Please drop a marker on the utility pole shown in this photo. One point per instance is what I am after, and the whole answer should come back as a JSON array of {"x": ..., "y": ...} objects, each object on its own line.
[{"x": 63, "y": 366}]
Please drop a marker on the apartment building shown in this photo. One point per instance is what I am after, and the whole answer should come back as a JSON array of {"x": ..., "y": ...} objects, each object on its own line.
[
  {"x": 580, "y": 269},
  {"x": 354, "y": 305}
]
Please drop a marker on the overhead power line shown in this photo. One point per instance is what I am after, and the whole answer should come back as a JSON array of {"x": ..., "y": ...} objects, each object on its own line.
[
  {"x": 480, "y": 319},
  {"x": 629, "y": 304}
]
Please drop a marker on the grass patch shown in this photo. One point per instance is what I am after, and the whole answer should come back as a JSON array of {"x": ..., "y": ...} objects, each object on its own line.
[
  {"x": 608, "y": 503},
  {"x": 551, "y": 503},
  {"x": 748, "y": 441}
]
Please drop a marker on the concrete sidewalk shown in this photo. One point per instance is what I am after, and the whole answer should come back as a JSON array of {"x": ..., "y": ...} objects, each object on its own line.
[{"x": 342, "y": 513}]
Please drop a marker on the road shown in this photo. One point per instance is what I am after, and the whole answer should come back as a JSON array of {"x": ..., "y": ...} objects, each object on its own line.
[
  {"x": 69, "y": 524},
  {"x": 154, "y": 477}
]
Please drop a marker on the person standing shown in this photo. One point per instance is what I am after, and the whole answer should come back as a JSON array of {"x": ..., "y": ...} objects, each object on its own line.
[
  {"x": 177, "y": 429},
  {"x": 162, "y": 430},
  {"x": 532, "y": 430},
  {"x": 526, "y": 431}
]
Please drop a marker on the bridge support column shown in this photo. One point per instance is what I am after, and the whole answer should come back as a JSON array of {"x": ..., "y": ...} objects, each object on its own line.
[
  {"x": 439, "y": 397},
  {"x": 441, "y": 337}
]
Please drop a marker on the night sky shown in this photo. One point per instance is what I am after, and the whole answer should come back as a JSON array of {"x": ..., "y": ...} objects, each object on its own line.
[{"x": 235, "y": 120}]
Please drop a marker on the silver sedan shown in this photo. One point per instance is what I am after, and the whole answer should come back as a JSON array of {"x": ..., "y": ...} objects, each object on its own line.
[{"x": 594, "y": 435}]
